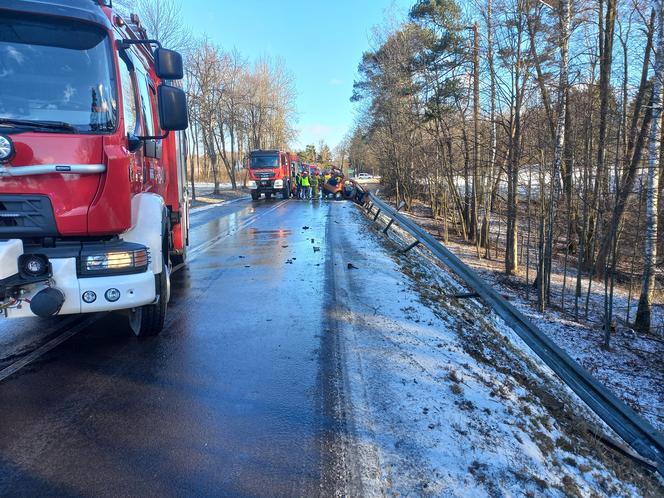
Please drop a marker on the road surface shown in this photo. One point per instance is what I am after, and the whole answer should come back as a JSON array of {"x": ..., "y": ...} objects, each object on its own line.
[{"x": 228, "y": 399}]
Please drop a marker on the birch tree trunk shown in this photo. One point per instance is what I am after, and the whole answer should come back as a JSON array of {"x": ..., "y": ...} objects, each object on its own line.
[
  {"x": 486, "y": 225},
  {"x": 560, "y": 140},
  {"x": 476, "y": 135},
  {"x": 643, "y": 313}
]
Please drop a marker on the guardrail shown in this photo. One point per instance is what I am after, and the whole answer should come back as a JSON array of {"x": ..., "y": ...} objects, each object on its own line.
[{"x": 631, "y": 427}]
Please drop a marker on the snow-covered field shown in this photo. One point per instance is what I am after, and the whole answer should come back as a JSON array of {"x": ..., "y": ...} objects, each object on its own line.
[
  {"x": 442, "y": 399},
  {"x": 632, "y": 368}
]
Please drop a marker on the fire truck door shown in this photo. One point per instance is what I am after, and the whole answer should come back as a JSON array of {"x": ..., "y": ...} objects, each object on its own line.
[
  {"x": 152, "y": 173},
  {"x": 132, "y": 122}
]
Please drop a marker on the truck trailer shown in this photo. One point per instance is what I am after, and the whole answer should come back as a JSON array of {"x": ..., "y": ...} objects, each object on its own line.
[{"x": 93, "y": 197}]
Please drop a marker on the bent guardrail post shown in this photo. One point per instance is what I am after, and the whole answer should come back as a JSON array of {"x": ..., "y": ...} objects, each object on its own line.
[
  {"x": 411, "y": 246},
  {"x": 377, "y": 214},
  {"x": 631, "y": 427},
  {"x": 401, "y": 205}
]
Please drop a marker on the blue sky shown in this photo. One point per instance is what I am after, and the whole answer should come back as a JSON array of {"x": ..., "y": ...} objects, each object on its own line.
[{"x": 321, "y": 44}]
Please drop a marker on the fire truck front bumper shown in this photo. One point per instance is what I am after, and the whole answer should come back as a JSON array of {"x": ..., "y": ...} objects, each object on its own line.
[
  {"x": 98, "y": 277},
  {"x": 266, "y": 185}
]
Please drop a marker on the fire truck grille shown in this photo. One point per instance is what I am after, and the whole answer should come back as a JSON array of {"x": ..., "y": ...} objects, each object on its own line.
[
  {"x": 264, "y": 175},
  {"x": 26, "y": 216}
]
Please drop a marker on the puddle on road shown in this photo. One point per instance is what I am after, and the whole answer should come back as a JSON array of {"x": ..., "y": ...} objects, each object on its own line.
[{"x": 280, "y": 233}]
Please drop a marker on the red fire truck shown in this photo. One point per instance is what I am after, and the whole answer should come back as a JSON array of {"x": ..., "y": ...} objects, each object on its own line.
[
  {"x": 93, "y": 200},
  {"x": 269, "y": 173}
]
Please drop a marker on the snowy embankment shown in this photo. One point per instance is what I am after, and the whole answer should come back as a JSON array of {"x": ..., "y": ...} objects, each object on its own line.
[
  {"x": 442, "y": 399},
  {"x": 632, "y": 368}
]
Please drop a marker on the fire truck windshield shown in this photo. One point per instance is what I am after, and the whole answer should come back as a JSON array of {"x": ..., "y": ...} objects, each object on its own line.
[
  {"x": 56, "y": 71},
  {"x": 265, "y": 161}
]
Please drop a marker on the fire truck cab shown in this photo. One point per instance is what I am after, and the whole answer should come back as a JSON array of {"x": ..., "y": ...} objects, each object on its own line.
[
  {"x": 268, "y": 173},
  {"x": 93, "y": 199}
]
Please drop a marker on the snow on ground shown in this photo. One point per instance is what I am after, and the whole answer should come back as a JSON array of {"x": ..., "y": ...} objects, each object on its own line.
[
  {"x": 442, "y": 399},
  {"x": 206, "y": 197},
  {"x": 632, "y": 368}
]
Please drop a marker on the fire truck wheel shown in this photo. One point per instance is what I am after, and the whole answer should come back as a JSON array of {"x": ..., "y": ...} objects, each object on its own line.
[
  {"x": 148, "y": 320},
  {"x": 255, "y": 195},
  {"x": 285, "y": 193},
  {"x": 179, "y": 259}
]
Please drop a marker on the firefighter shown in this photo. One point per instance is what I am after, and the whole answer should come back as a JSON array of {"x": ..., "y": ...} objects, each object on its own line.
[
  {"x": 298, "y": 186},
  {"x": 314, "y": 185},
  {"x": 306, "y": 185},
  {"x": 293, "y": 183},
  {"x": 326, "y": 179}
]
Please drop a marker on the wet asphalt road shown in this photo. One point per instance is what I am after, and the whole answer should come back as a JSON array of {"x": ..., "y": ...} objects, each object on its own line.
[{"x": 228, "y": 400}]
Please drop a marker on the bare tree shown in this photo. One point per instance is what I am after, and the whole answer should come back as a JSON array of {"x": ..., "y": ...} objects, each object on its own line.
[
  {"x": 644, "y": 311},
  {"x": 163, "y": 20},
  {"x": 564, "y": 15}
]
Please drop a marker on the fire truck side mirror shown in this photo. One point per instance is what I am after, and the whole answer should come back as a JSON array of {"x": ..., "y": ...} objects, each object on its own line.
[
  {"x": 168, "y": 64},
  {"x": 172, "y": 108}
]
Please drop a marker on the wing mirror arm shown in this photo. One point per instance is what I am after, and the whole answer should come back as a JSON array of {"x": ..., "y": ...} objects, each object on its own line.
[
  {"x": 133, "y": 142},
  {"x": 153, "y": 137}
]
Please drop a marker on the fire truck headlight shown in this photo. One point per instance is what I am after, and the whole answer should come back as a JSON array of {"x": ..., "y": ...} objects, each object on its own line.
[
  {"x": 115, "y": 262},
  {"x": 278, "y": 184},
  {"x": 252, "y": 184}
]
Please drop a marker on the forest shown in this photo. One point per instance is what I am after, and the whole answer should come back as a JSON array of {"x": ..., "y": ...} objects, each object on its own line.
[{"x": 531, "y": 130}]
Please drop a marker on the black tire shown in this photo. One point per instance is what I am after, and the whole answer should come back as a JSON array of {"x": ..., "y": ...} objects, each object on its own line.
[
  {"x": 268, "y": 195},
  {"x": 255, "y": 195},
  {"x": 148, "y": 320},
  {"x": 179, "y": 259},
  {"x": 285, "y": 193}
]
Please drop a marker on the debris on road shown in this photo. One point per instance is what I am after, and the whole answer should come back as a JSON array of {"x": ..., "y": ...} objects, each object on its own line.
[{"x": 351, "y": 266}]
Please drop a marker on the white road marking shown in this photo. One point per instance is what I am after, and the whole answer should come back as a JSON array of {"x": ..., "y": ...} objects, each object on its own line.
[
  {"x": 45, "y": 348},
  {"x": 245, "y": 224}
]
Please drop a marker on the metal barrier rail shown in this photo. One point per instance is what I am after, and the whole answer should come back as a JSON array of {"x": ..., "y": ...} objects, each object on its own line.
[{"x": 631, "y": 427}]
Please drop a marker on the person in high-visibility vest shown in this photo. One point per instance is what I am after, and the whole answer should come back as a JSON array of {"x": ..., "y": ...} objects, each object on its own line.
[
  {"x": 326, "y": 178},
  {"x": 306, "y": 186}
]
